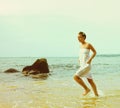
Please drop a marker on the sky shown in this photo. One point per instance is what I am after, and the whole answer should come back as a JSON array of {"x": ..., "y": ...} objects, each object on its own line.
[{"x": 49, "y": 28}]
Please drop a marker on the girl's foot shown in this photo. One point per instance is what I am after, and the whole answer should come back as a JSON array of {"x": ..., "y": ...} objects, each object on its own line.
[
  {"x": 96, "y": 95},
  {"x": 86, "y": 92}
]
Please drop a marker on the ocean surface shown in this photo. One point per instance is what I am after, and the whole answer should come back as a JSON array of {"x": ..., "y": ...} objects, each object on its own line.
[{"x": 58, "y": 89}]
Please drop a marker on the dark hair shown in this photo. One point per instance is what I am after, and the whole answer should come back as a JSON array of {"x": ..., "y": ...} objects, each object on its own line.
[{"x": 83, "y": 34}]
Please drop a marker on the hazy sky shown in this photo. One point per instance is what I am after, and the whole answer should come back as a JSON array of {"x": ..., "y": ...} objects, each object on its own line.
[{"x": 43, "y": 28}]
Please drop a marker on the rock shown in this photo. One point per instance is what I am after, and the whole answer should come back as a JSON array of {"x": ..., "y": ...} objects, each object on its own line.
[
  {"x": 39, "y": 66},
  {"x": 11, "y": 70}
]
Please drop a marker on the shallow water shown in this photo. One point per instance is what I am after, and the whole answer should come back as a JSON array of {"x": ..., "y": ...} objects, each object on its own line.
[{"x": 59, "y": 90}]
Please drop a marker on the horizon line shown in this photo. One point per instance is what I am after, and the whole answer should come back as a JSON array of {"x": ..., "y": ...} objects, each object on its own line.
[{"x": 57, "y": 56}]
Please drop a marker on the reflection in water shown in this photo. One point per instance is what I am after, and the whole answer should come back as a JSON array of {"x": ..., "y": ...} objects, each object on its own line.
[
  {"x": 40, "y": 76},
  {"x": 89, "y": 102}
]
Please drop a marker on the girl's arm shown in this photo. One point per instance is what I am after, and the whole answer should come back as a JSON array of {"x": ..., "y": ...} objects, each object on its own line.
[{"x": 93, "y": 55}]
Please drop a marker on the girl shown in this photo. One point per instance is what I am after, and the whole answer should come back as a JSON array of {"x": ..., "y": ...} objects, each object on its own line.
[{"x": 85, "y": 64}]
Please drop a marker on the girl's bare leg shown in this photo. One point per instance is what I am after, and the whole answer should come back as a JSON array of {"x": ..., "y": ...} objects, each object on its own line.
[
  {"x": 80, "y": 81},
  {"x": 93, "y": 85}
]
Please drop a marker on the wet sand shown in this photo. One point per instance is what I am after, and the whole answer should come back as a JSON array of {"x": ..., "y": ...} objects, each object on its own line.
[{"x": 43, "y": 94}]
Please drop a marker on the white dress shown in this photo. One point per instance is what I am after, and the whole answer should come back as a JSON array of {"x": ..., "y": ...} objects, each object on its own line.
[{"x": 84, "y": 70}]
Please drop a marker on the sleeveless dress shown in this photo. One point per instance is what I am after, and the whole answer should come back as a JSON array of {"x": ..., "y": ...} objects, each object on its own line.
[{"x": 84, "y": 70}]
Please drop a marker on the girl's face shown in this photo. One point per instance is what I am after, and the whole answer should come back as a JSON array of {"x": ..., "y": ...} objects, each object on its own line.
[{"x": 80, "y": 38}]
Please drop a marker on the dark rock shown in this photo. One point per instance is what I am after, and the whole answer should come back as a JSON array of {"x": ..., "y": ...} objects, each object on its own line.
[
  {"x": 39, "y": 66},
  {"x": 11, "y": 70}
]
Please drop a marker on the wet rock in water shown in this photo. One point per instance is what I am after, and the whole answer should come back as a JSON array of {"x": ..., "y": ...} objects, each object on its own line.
[
  {"x": 11, "y": 70},
  {"x": 38, "y": 67}
]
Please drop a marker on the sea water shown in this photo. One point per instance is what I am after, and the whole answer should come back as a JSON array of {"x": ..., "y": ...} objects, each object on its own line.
[{"x": 58, "y": 89}]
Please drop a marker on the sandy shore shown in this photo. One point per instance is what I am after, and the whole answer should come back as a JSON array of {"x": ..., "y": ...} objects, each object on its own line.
[{"x": 43, "y": 95}]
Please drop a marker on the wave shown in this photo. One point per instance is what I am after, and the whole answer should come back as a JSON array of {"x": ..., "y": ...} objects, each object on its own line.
[{"x": 108, "y": 55}]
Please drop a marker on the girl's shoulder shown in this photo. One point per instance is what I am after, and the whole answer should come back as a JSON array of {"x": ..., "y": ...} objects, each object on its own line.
[{"x": 88, "y": 45}]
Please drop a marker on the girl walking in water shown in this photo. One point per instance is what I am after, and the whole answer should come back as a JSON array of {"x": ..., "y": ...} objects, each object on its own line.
[{"x": 85, "y": 64}]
